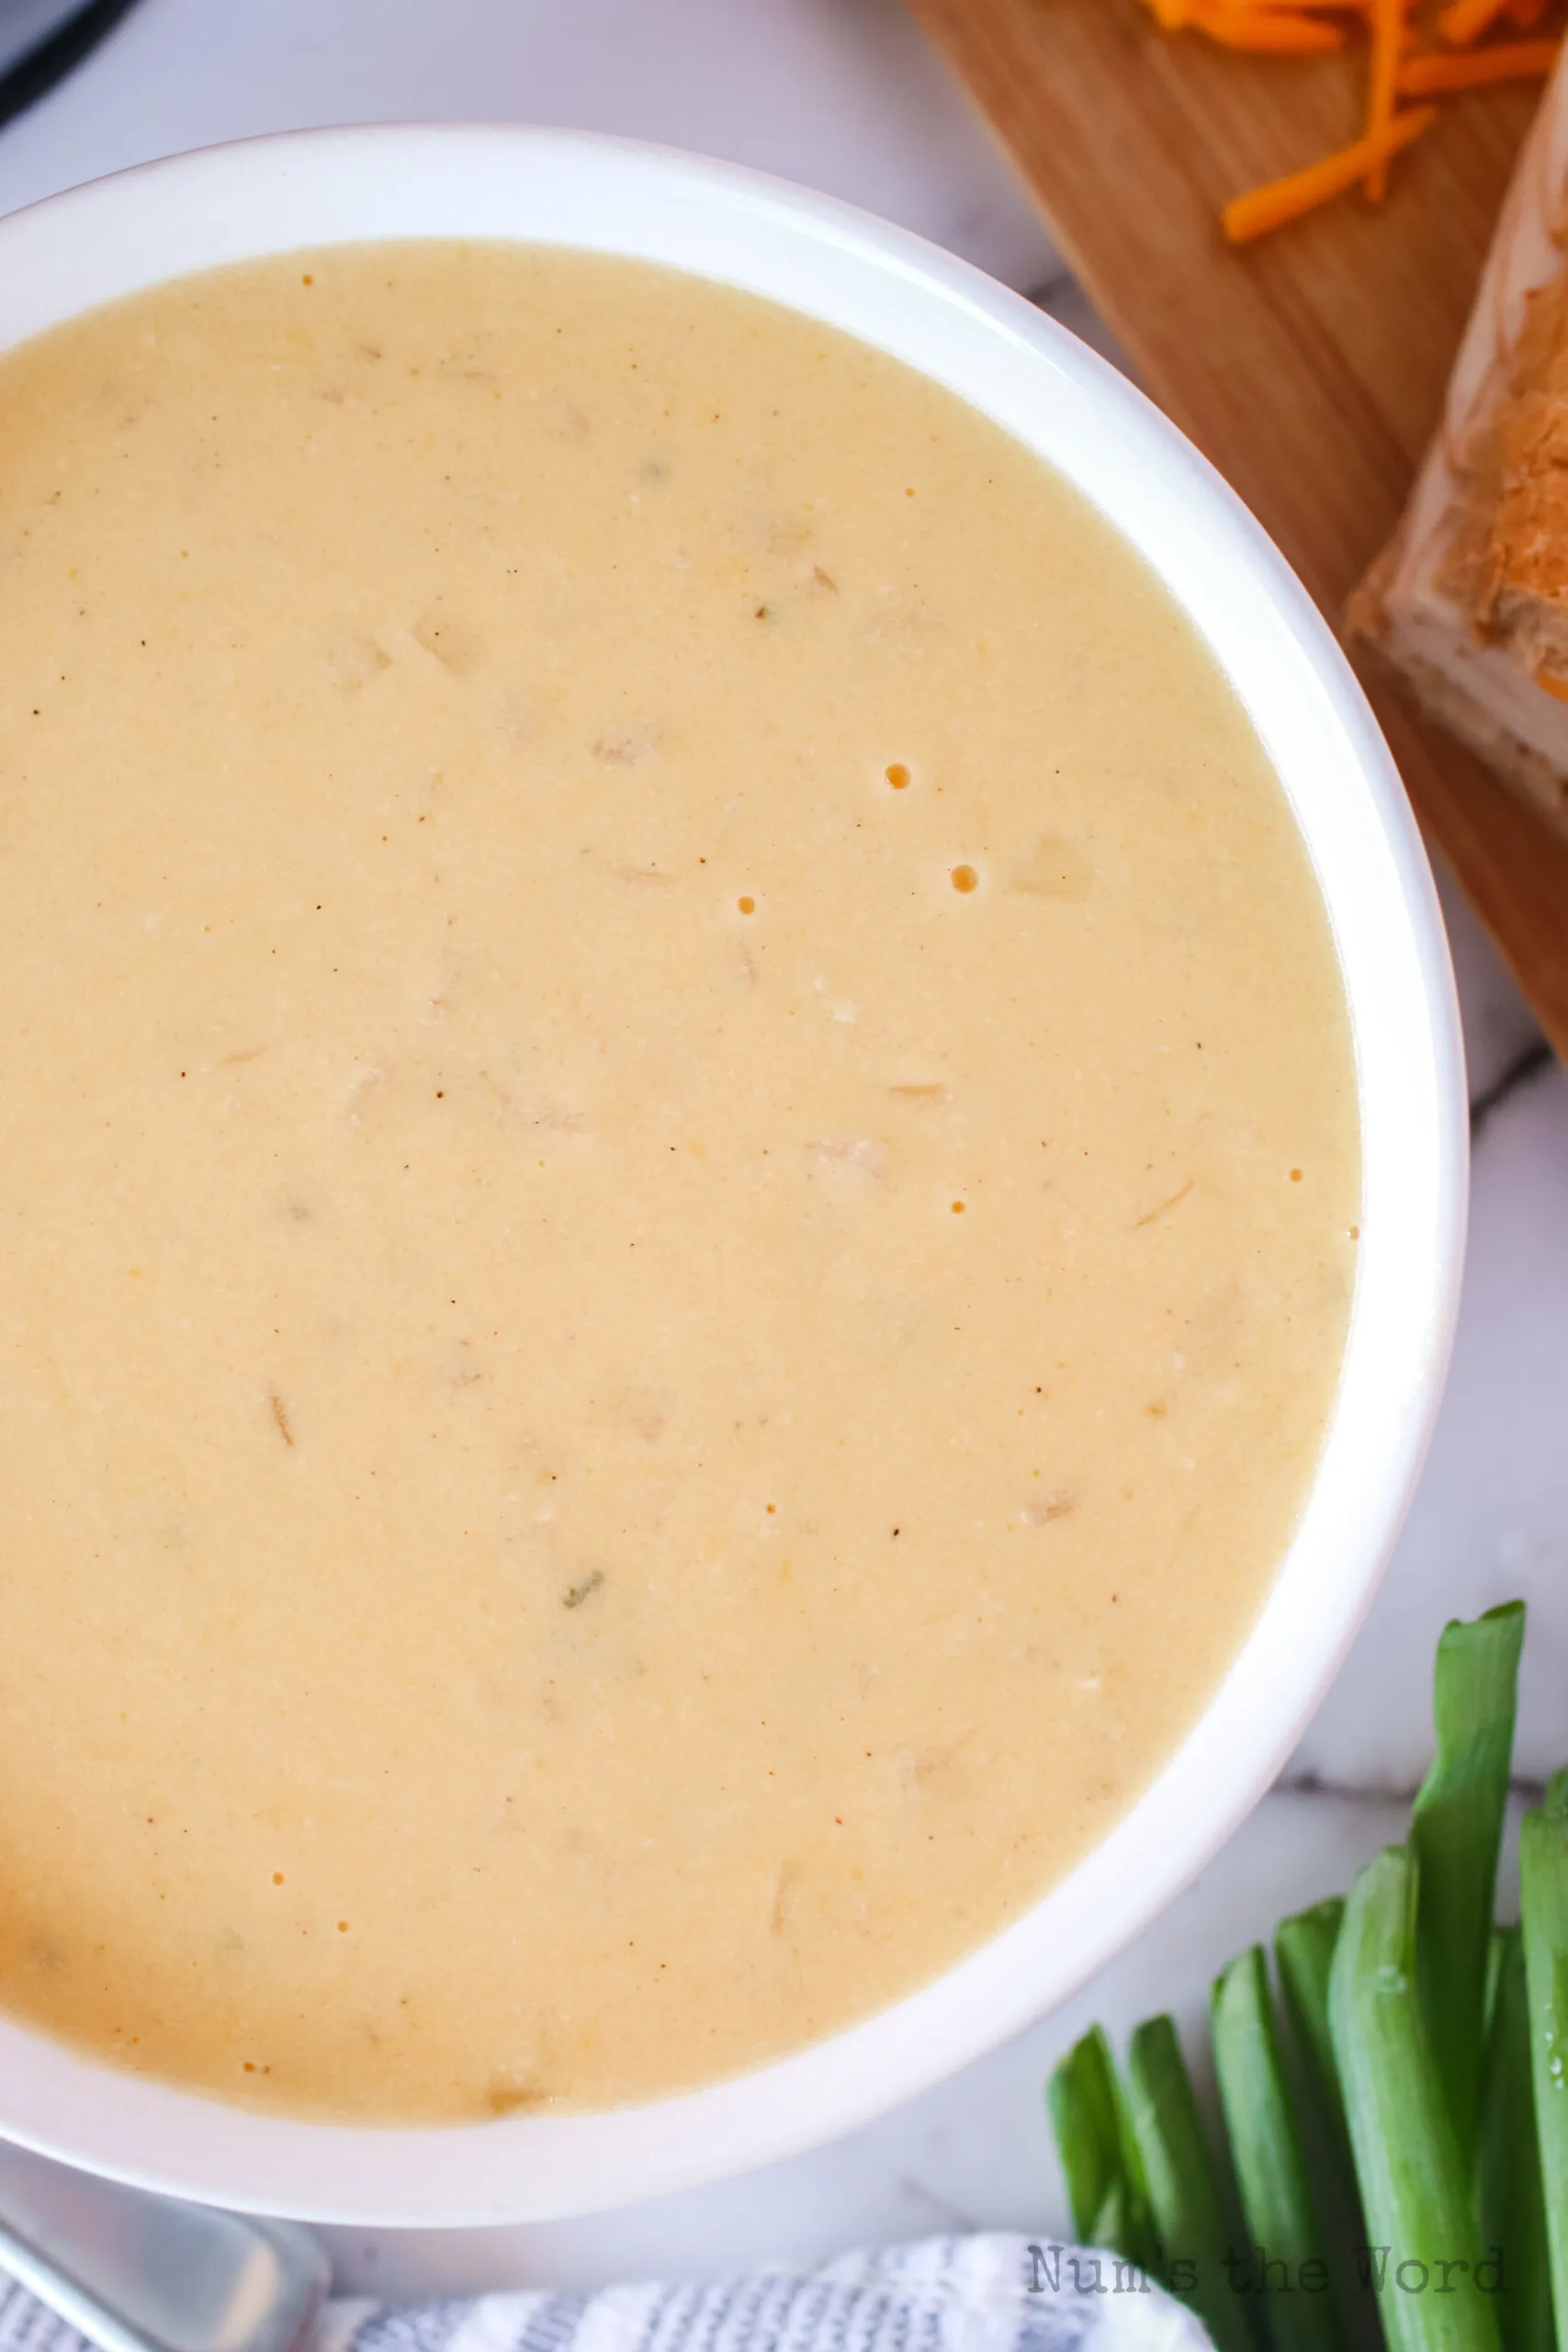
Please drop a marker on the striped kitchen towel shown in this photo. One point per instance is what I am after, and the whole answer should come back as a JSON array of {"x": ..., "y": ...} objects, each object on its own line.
[{"x": 990, "y": 2293}]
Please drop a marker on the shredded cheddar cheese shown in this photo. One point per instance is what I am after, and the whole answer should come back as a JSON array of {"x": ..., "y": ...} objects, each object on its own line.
[
  {"x": 1399, "y": 67},
  {"x": 1262, "y": 208},
  {"x": 1513, "y": 61},
  {"x": 1388, "y": 40},
  {"x": 1286, "y": 27},
  {"x": 1284, "y": 31},
  {"x": 1463, "y": 21}
]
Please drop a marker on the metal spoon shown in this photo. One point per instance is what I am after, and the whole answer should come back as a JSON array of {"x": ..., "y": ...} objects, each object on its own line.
[{"x": 140, "y": 2273}]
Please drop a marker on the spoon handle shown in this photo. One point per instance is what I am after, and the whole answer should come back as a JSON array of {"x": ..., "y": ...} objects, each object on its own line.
[{"x": 141, "y": 2273}]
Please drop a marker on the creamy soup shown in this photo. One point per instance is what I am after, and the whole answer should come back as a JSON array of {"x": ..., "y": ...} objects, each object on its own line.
[{"x": 679, "y": 1185}]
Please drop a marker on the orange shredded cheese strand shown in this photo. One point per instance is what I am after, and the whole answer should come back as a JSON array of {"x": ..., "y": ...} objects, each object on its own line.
[
  {"x": 1510, "y": 61},
  {"x": 1282, "y": 32},
  {"x": 1463, "y": 21},
  {"x": 1388, "y": 46},
  {"x": 1262, "y": 208},
  {"x": 1238, "y": 16},
  {"x": 1279, "y": 31},
  {"x": 1310, "y": 29},
  {"x": 1557, "y": 687}
]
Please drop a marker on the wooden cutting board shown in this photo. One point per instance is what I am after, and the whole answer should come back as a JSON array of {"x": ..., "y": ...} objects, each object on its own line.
[{"x": 1310, "y": 368}]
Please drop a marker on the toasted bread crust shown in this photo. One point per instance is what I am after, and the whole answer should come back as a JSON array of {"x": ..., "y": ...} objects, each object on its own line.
[
  {"x": 1516, "y": 551},
  {"x": 1470, "y": 597}
]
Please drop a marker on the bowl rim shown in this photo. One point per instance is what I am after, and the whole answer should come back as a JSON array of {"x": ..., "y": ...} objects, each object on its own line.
[{"x": 296, "y": 190}]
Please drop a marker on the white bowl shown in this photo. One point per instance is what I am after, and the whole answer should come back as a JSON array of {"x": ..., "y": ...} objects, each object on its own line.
[{"x": 319, "y": 188}]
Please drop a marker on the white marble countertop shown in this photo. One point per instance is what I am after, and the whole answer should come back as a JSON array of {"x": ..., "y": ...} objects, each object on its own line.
[{"x": 843, "y": 95}]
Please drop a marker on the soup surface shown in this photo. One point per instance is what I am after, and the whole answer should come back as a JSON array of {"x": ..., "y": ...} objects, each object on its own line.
[{"x": 679, "y": 1181}]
